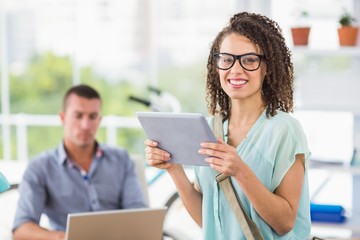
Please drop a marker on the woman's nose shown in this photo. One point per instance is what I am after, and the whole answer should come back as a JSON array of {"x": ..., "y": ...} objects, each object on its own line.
[{"x": 237, "y": 66}]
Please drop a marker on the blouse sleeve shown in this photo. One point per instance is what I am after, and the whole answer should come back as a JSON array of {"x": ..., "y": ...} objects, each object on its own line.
[{"x": 289, "y": 141}]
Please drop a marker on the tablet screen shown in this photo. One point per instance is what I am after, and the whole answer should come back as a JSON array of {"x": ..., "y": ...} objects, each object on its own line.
[{"x": 180, "y": 134}]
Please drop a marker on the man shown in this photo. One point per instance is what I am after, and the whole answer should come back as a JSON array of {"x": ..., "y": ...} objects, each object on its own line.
[{"x": 80, "y": 175}]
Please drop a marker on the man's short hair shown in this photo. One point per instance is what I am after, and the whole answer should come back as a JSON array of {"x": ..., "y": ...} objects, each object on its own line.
[{"x": 81, "y": 90}]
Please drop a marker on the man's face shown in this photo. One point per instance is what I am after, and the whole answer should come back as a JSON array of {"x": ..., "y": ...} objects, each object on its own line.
[{"x": 80, "y": 119}]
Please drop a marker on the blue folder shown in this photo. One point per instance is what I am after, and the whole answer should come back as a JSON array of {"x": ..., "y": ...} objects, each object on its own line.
[{"x": 327, "y": 213}]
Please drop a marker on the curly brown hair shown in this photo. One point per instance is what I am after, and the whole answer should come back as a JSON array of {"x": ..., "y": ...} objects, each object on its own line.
[{"x": 277, "y": 89}]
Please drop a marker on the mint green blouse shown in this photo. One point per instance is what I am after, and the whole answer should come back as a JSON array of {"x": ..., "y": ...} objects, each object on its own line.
[{"x": 269, "y": 149}]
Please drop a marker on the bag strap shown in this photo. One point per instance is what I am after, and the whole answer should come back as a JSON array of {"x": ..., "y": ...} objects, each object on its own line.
[{"x": 247, "y": 225}]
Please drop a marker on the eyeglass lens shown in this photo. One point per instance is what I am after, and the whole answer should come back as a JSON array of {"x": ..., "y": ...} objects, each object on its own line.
[{"x": 225, "y": 61}]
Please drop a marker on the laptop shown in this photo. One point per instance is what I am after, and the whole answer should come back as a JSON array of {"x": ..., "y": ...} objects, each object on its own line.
[{"x": 125, "y": 224}]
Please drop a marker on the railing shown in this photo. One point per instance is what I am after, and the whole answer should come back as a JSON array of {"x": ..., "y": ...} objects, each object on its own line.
[{"x": 110, "y": 123}]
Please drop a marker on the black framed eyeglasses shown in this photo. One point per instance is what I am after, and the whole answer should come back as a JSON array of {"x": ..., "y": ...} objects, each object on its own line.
[{"x": 248, "y": 61}]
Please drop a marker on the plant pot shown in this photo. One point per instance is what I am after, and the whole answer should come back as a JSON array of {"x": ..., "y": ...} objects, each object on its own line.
[
  {"x": 347, "y": 35},
  {"x": 300, "y": 35}
]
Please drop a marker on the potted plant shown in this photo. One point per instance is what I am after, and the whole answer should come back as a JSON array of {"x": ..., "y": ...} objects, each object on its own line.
[
  {"x": 300, "y": 33},
  {"x": 347, "y": 31}
]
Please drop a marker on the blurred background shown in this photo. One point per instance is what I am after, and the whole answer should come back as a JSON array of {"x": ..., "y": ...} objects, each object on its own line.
[{"x": 126, "y": 48}]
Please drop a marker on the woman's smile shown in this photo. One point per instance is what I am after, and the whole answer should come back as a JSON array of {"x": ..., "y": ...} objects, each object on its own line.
[{"x": 237, "y": 82}]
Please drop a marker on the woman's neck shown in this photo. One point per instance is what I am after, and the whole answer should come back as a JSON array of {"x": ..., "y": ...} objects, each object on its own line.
[{"x": 245, "y": 114}]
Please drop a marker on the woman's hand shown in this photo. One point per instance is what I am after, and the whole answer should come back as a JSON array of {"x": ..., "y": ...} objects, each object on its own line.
[
  {"x": 222, "y": 157},
  {"x": 155, "y": 156}
]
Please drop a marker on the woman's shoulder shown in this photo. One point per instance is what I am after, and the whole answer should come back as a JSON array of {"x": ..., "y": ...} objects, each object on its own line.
[
  {"x": 283, "y": 121},
  {"x": 283, "y": 118}
]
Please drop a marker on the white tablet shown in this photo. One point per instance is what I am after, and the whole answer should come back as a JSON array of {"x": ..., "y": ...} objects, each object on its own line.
[{"x": 180, "y": 134}]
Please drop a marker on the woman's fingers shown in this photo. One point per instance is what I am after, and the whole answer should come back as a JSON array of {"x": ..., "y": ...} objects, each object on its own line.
[
  {"x": 158, "y": 161},
  {"x": 221, "y": 157},
  {"x": 162, "y": 165},
  {"x": 219, "y": 146},
  {"x": 152, "y": 151},
  {"x": 150, "y": 143},
  {"x": 155, "y": 156},
  {"x": 213, "y": 149}
]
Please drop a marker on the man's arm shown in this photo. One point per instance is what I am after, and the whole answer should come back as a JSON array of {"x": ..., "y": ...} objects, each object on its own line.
[
  {"x": 30, "y": 205},
  {"x": 32, "y": 231}
]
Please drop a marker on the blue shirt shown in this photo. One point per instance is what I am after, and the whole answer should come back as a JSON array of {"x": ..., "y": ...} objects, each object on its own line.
[
  {"x": 269, "y": 149},
  {"x": 53, "y": 184}
]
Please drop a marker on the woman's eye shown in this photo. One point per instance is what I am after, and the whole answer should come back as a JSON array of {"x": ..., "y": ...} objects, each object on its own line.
[
  {"x": 250, "y": 60},
  {"x": 227, "y": 60}
]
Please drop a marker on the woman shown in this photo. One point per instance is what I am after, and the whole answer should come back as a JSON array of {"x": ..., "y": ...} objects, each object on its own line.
[{"x": 250, "y": 83}]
